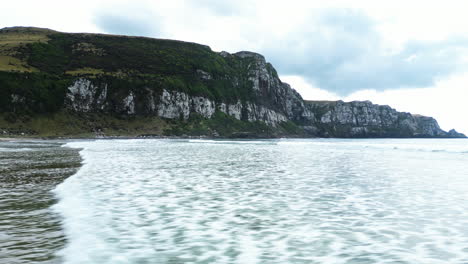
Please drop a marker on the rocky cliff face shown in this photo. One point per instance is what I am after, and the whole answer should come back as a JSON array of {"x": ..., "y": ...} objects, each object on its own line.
[
  {"x": 122, "y": 76},
  {"x": 275, "y": 102},
  {"x": 364, "y": 119},
  {"x": 85, "y": 97},
  {"x": 268, "y": 88}
]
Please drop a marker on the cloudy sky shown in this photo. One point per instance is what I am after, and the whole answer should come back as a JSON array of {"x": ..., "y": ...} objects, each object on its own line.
[{"x": 412, "y": 55}]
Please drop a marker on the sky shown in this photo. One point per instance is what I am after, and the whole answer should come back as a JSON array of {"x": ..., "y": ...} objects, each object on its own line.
[{"x": 411, "y": 55}]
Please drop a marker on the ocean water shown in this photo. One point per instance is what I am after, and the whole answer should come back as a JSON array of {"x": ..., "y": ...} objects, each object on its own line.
[
  {"x": 258, "y": 201},
  {"x": 267, "y": 201}
]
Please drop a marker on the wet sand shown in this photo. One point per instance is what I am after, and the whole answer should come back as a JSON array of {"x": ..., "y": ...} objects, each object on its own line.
[{"x": 30, "y": 232}]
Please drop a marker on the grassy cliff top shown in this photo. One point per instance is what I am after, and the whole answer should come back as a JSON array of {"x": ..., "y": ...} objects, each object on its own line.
[
  {"x": 14, "y": 38},
  {"x": 45, "y": 50}
]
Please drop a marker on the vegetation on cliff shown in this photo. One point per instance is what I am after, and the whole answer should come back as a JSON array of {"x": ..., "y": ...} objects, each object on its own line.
[
  {"x": 63, "y": 84},
  {"x": 170, "y": 64},
  {"x": 38, "y": 65}
]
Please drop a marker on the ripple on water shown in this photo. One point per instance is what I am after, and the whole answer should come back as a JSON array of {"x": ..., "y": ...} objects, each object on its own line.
[
  {"x": 309, "y": 201},
  {"x": 29, "y": 231}
]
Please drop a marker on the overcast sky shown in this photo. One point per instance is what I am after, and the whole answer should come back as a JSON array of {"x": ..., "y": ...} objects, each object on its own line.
[{"x": 412, "y": 55}]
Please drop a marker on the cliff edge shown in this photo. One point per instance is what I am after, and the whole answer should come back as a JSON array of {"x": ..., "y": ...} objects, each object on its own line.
[{"x": 63, "y": 84}]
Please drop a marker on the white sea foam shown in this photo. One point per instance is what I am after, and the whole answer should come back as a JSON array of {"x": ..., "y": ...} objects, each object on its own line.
[
  {"x": 208, "y": 141},
  {"x": 298, "y": 201},
  {"x": 15, "y": 149},
  {"x": 423, "y": 145}
]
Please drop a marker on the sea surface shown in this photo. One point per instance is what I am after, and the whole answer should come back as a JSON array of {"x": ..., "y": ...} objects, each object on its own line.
[
  {"x": 30, "y": 232},
  {"x": 256, "y": 201}
]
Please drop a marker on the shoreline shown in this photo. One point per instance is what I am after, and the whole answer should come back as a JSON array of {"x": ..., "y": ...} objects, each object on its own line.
[
  {"x": 108, "y": 176},
  {"x": 30, "y": 177},
  {"x": 15, "y": 139},
  {"x": 51, "y": 242},
  {"x": 6, "y": 139}
]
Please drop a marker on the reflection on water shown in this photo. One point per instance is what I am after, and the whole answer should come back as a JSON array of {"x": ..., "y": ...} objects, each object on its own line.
[{"x": 29, "y": 231}]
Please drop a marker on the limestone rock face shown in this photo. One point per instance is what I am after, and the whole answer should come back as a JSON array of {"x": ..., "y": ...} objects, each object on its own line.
[
  {"x": 129, "y": 104},
  {"x": 272, "y": 102},
  {"x": 364, "y": 119},
  {"x": 174, "y": 105},
  {"x": 84, "y": 96},
  {"x": 270, "y": 91},
  {"x": 180, "y": 105},
  {"x": 235, "y": 110}
]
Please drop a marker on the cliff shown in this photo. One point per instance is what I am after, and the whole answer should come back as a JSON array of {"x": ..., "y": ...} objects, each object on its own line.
[
  {"x": 54, "y": 83},
  {"x": 364, "y": 119}
]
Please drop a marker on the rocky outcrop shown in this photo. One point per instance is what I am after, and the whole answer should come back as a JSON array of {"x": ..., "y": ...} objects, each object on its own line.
[
  {"x": 84, "y": 96},
  {"x": 269, "y": 89},
  {"x": 273, "y": 102},
  {"x": 364, "y": 119},
  {"x": 454, "y": 134}
]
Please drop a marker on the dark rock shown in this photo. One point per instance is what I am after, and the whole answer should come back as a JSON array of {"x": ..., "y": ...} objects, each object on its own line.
[{"x": 453, "y": 133}]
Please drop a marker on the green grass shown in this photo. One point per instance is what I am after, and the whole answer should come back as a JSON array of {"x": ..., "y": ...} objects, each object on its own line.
[
  {"x": 16, "y": 38},
  {"x": 9, "y": 63},
  {"x": 85, "y": 71},
  {"x": 12, "y": 40},
  {"x": 65, "y": 124},
  {"x": 73, "y": 125}
]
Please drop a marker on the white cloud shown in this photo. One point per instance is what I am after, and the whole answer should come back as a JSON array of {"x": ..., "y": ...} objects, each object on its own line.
[
  {"x": 307, "y": 90},
  {"x": 340, "y": 49},
  {"x": 54, "y": 14}
]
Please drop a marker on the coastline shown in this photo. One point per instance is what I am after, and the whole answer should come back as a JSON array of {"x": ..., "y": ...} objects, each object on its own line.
[
  {"x": 30, "y": 168},
  {"x": 123, "y": 171},
  {"x": 19, "y": 139},
  {"x": 38, "y": 196},
  {"x": 249, "y": 137}
]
